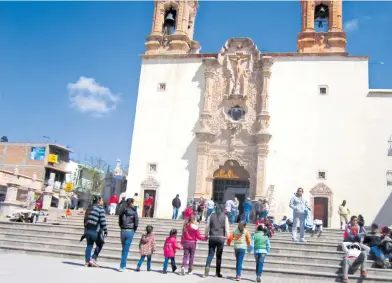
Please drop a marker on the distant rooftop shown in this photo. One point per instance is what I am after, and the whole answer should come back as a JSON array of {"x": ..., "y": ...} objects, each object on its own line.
[{"x": 38, "y": 145}]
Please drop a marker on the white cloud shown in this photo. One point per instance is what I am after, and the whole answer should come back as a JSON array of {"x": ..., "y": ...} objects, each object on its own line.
[
  {"x": 88, "y": 96},
  {"x": 351, "y": 25}
]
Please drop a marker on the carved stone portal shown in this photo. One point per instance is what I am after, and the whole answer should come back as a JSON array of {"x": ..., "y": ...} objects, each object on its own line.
[
  {"x": 237, "y": 79},
  {"x": 321, "y": 190}
]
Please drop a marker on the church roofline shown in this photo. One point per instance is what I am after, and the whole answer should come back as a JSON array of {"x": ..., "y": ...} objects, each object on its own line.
[{"x": 278, "y": 54}]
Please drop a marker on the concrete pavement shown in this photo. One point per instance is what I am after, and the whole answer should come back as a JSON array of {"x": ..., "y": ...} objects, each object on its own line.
[{"x": 18, "y": 268}]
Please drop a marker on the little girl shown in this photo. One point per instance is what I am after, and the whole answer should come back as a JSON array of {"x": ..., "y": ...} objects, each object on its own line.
[
  {"x": 242, "y": 240},
  {"x": 190, "y": 235},
  {"x": 147, "y": 248},
  {"x": 261, "y": 249},
  {"x": 169, "y": 251}
]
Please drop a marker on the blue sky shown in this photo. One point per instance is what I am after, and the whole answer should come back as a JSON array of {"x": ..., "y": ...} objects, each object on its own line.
[{"x": 50, "y": 50}]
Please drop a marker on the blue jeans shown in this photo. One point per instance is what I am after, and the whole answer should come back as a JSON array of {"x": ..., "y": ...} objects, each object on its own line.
[
  {"x": 376, "y": 251},
  {"x": 166, "y": 262},
  {"x": 92, "y": 237},
  {"x": 239, "y": 257},
  {"x": 265, "y": 214},
  {"x": 141, "y": 260},
  {"x": 209, "y": 212},
  {"x": 175, "y": 213},
  {"x": 259, "y": 264},
  {"x": 247, "y": 216},
  {"x": 126, "y": 241}
]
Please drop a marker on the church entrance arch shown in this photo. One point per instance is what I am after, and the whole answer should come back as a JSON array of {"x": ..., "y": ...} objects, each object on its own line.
[
  {"x": 230, "y": 180},
  {"x": 321, "y": 200}
]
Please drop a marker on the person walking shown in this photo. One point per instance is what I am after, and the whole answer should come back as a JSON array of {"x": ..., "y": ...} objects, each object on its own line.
[
  {"x": 147, "y": 205},
  {"x": 95, "y": 229},
  {"x": 259, "y": 209},
  {"x": 113, "y": 201},
  {"x": 216, "y": 230},
  {"x": 247, "y": 209},
  {"x": 176, "y": 203},
  {"x": 74, "y": 202},
  {"x": 210, "y": 208},
  {"x": 262, "y": 247},
  {"x": 298, "y": 205},
  {"x": 128, "y": 221},
  {"x": 242, "y": 241},
  {"x": 190, "y": 235},
  {"x": 231, "y": 210},
  {"x": 169, "y": 251},
  {"x": 147, "y": 246},
  {"x": 344, "y": 213},
  {"x": 136, "y": 201}
]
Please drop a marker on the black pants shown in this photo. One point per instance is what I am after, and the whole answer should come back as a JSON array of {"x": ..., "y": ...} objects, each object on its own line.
[
  {"x": 215, "y": 244},
  {"x": 146, "y": 211}
]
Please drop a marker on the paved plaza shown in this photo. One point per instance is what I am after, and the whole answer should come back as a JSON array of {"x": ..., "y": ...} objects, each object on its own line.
[{"x": 18, "y": 268}]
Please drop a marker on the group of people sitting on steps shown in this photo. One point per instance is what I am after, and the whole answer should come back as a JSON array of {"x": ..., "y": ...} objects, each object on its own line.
[
  {"x": 358, "y": 244},
  {"x": 217, "y": 232}
]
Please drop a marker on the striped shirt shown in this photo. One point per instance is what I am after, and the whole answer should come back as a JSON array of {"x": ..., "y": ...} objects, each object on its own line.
[{"x": 96, "y": 219}]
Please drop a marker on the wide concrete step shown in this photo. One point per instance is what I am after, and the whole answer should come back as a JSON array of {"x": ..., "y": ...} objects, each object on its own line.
[
  {"x": 284, "y": 269},
  {"x": 61, "y": 233},
  {"x": 202, "y": 249}
]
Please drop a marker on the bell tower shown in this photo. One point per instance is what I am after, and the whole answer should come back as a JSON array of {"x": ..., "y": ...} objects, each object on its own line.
[
  {"x": 172, "y": 28},
  {"x": 321, "y": 30}
]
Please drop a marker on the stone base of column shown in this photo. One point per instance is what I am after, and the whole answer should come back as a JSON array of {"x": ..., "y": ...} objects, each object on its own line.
[{"x": 9, "y": 207}]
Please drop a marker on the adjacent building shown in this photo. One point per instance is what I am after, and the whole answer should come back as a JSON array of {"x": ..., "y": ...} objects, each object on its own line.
[
  {"x": 244, "y": 123},
  {"x": 47, "y": 162}
]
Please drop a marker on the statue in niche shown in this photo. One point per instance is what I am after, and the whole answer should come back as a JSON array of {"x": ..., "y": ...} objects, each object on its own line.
[{"x": 239, "y": 72}]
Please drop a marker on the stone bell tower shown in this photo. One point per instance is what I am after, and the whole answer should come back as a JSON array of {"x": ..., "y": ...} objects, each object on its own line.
[
  {"x": 321, "y": 30},
  {"x": 172, "y": 28}
]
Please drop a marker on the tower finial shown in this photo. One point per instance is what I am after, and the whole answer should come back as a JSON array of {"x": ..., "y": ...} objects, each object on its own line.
[
  {"x": 173, "y": 28},
  {"x": 321, "y": 30}
]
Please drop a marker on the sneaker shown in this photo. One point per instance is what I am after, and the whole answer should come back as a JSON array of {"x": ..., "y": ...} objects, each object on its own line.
[
  {"x": 206, "y": 272},
  {"x": 164, "y": 272},
  {"x": 190, "y": 272},
  {"x": 363, "y": 274},
  {"x": 258, "y": 279},
  {"x": 302, "y": 240},
  {"x": 295, "y": 240},
  {"x": 345, "y": 280},
  {"x": 174, "y": 269},
  {"x": 219, "y": 275},
  {"x": 182, "y": 271},
  {"x": 121, "y": 269},
  {"x": 149, "y": 269},
  {"x": 87, "y": 264},
  {"x": 238, "y": 278},
  {"x": 137, "y": 269}
]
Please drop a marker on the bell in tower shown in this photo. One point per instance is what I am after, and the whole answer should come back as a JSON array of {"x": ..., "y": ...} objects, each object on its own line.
[
  {"x": 169, "y": 22},
  {"x": 322, "y": 30},
  {"x": 173, "y": 28}
]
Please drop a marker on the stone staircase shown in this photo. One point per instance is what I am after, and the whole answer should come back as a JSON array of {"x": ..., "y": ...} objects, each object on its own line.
[{"x": 319, "y": 258}]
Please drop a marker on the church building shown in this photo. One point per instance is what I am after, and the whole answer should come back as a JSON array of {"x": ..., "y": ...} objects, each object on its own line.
[{"x": 242, "y": 123}]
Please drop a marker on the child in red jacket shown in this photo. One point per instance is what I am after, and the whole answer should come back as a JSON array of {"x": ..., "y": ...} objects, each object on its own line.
[
  {"x": 169, "y": 251},
  {"x": 188, "y": 212},
  {"x": 190, "y": 235}
]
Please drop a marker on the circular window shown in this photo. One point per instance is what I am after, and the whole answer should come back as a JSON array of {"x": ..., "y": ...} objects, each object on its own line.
[{"x": 236, "y": 112}]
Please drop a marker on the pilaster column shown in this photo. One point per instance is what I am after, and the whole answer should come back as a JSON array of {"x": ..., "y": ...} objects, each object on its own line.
[
  {"x": 159, "y": 13},
  {"x": 335, "y": 16},
  {"x": 12, "y": 192},
  {"x": 262, "y": 151},
  {"x": 201, "y": 161},
  {"x": 62, "y": 197},
  {"x": 209, "y": 74},
  {"x": 267, "y": 63},
  {"x": 47, "y": 198}
]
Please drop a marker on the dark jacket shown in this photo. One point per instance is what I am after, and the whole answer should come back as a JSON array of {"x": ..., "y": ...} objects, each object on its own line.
[
  {"x": 121, "y": 205},
  {"x": 258, "y": 207},
  {"x": 176, "y": 202},
  {"x": 128, "y": 219},
  {"x": 372, "y": 239}
]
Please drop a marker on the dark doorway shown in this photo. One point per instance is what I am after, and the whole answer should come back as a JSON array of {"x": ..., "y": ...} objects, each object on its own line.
[
  {"x": 151, "y": 193},
  {"x": 223, "y": 189},
  {"x": 321, "y": 210}
]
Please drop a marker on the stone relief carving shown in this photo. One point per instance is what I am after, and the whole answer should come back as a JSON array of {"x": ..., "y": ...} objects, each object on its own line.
[
  {"x": 321, "y": 189},
  {"x": 150, "y": 183},
  {"x": 237, "y": 77}
]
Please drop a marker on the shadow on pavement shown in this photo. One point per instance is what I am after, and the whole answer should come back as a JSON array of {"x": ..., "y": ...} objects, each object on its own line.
[{"x": 82, "y": 265}]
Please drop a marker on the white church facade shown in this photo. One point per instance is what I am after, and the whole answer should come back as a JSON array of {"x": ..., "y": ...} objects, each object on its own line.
[{"x": 248, "y": 124}]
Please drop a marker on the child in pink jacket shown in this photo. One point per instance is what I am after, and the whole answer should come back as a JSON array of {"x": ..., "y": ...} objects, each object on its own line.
[
  {"x": 190, "y": 235},
  {"x": 169, "y": 251}
]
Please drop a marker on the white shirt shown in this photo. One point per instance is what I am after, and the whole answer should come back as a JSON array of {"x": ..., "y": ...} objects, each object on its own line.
[{"x": 210, "y": 204}]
